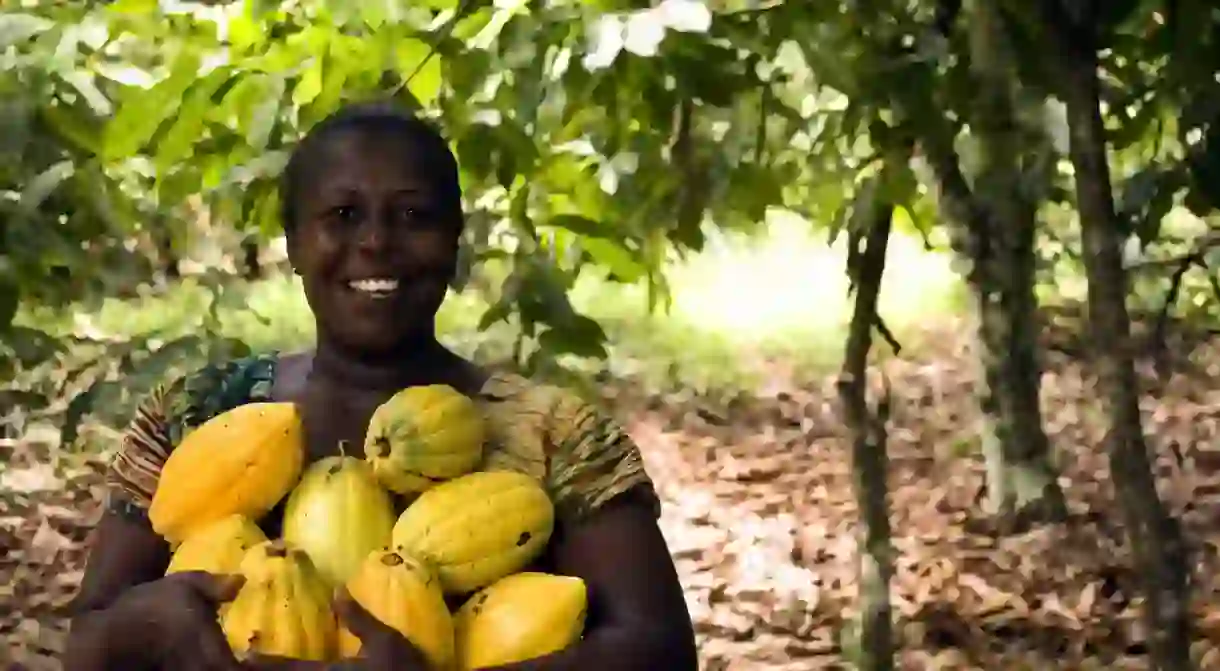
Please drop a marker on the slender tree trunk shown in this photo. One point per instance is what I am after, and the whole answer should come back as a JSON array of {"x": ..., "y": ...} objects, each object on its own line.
[
  {"x": 1156, "y": 538},
  {"x": 252, "y": 268},
  {"x": 868, "y": 432},
  {"x": 165, "y": 251},
  {"x": 1020, "y": 476}
]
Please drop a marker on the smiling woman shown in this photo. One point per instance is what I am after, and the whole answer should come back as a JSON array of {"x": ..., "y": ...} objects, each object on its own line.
[
  {"x": 372, "y": 216},
  {"x": 373, "y": 237}
]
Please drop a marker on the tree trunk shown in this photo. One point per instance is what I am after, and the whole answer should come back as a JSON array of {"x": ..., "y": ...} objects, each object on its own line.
[
  {"x": 868, "y": 432},
  {"x": 165, "y": 251},
  {"x": 1156, "y": 538},
  {"x": 1021, "y": 481},
  {"x": 252, "y": 268}
]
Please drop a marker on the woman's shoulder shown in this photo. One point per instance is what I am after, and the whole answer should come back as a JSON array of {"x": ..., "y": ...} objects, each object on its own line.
[
  {"x": 561, "y": 435},
  {"x": 506, "y": 386},
  {"x": 552, "y": 421},
  {"x": 554, "y": 413}
]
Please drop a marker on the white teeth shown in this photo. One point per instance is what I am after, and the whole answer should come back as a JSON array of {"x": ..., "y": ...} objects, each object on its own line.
[{"x": 375, "y": 286}]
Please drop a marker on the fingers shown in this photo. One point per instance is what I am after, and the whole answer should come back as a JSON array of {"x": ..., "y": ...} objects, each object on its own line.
[
  {"x": 216, "y": 589},
  {"x": 356, "y": 618},
  {"x": 381, "y": 642},
  {"x": 202, "y": 648},
  {"x": 272, "y": 663},
  {"x": 214, "y": 650}
]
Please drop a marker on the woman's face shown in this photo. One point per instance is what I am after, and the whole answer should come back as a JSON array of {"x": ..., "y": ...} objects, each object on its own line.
[{"x": 374, "y": 243}]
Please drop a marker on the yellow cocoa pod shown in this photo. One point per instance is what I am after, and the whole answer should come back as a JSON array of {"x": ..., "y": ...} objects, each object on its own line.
[
  {"x": 522, "y": 616},
  {"x": 404, "y": 594},
  {"x": 240, "y": 462},
  {"x": 283, "y": 609},
  {"x": 338, "y": 514},
  {"x": 478, "y": 528},
  {"x": 217, "y": 547},
  {"x": 422, "y": 436}
]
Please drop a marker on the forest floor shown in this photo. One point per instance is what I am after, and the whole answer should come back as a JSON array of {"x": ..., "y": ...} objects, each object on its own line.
[{"x": 760, "y": 518}]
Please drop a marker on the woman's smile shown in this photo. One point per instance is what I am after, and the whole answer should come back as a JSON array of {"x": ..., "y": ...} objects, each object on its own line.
[{"x": 376, "y": 288}]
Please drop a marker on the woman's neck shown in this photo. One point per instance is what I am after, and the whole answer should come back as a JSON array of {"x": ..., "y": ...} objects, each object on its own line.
[{"x": 420, "y": 363}]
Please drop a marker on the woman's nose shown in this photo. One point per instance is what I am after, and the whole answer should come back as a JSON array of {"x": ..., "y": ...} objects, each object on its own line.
[{"x": 373, "y": 232}]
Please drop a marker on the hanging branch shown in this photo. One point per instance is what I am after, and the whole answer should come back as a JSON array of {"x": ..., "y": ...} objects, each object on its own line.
[
  {"x": 464, "y": 9},
  {"x": 863, "y": 224},
  {"x": 1197, "y": 257}
]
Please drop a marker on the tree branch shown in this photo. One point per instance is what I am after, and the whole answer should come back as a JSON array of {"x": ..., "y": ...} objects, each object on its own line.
[{"x": 1197, "y": 257}]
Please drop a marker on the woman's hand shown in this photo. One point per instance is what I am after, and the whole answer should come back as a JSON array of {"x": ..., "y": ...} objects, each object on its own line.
[
  {"x": 382, "y": 648},
  {"x": 176, "y": 616}
]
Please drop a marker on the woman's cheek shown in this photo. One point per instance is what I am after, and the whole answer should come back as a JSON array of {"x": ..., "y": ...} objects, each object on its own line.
[{"x": 436, "y": 251}]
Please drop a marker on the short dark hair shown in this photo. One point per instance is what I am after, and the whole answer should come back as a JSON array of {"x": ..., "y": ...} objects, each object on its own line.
[{"x": 384, "y": 118}]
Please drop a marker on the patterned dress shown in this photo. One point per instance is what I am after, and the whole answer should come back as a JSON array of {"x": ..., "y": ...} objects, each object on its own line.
[{"x": 582, "y": 457}]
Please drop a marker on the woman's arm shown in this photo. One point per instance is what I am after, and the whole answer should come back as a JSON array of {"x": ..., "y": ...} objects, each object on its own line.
[
  {"x": 608, "y": 536},
  {"x": 638, "y": 619},
  {"x": 125, "y": 553},
  {"x": 128, "y": 617},
  {"x": 125, "y": 550}
]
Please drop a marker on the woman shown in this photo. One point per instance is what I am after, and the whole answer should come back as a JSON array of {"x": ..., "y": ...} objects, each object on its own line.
[{"x": 372, "y": 216}]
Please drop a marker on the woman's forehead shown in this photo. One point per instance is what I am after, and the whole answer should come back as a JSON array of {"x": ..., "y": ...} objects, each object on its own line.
[
  {"x": 354, "y": 158},
  {"x": 377, "y": 145}
]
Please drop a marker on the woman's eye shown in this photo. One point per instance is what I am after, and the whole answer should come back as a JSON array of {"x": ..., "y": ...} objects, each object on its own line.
[
  {"x": 343, "y": 213},
  {"x": 416, "y": 216}
]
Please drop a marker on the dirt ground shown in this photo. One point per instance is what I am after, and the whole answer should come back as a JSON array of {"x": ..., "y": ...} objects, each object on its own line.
[{"x": 760, "y": 519}]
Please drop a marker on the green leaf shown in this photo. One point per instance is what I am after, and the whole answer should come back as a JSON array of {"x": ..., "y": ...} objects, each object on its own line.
[
  {"x": 267, "y": 214},
  {"x": 374, "y": 13},
  {"x": 263, "y": 117},
  {"x": 899, "y": 185},
  {"x": 309, "y": 86},
  {"x": 177, "y": 144},
  {"x": 578, "y": 335},
  {"x": 85, "y": 85},
  {"x": 176, "y": 186},
  {"x": 752, "y": 190},
  {"x": 71, "y": 125},
  {"x": 497, "y": 312},
  {"x": 620, "y": 261},
  {"x": 133, "y": 7},
  {"x": 245, "y": 34},
  {"x": 582, "y": 225},
  {"x": 336, "y": 71},
  {"x": 138, "y": 118},
  {"x": 16, "y": 28},
  {"x": 415, "y": 61}
]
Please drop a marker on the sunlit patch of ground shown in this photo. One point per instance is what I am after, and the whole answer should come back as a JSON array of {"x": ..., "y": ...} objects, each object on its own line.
[{"x": 792, "y": 283}]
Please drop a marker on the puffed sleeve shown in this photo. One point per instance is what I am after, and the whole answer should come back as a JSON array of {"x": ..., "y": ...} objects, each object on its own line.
[
  {"x": 146, "y": 444},
  {"x": 167, "y": 413},
  {"x": 591, "y": 459}
]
